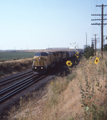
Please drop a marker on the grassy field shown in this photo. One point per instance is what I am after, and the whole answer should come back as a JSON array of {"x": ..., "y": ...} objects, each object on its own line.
[{"x": 4, "y": 56}]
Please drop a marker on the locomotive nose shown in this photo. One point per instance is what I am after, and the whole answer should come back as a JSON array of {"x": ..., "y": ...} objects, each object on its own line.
[{"x": 40, "y": 61}]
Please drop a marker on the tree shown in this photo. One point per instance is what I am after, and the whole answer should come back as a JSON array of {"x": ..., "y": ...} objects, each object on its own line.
[
  {"x": 105, "y": 47},
  {"x": 88, "y": 51}
]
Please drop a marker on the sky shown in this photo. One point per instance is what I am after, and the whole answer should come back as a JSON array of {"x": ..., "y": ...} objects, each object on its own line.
[{"x": 39, "y": 24}]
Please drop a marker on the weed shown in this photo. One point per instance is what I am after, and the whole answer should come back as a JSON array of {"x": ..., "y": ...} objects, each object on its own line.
[
  {"x": 71, "y": 76},
  {"x": 89, "y": 101},
  {"x": 2, "y": 60},
  {"x": 106, "y": 63}
]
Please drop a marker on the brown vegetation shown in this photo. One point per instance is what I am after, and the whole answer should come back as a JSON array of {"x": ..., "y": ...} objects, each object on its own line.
[
  {"x": 81, "y": 95},
  {"x": 14, "y": 66}
]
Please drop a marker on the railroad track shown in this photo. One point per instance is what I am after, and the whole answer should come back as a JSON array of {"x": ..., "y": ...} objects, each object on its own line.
[
  {"x": 17, "y": 87},
  {"x": 10, "y": 91},
  {"x": 14, "y": 78}
]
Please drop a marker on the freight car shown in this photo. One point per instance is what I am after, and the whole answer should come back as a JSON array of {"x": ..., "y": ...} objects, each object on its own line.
[{"x": 44, "y": 61}]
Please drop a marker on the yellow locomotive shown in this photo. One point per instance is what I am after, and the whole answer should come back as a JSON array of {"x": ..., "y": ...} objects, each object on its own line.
[{"x": 43, "y": 61}]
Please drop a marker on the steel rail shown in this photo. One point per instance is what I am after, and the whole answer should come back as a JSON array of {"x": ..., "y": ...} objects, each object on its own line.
[
  {"x": 14, "y": 91},
  {"x": 12, "y": 77},
  {"x": 18, "y": 89},
  {"x": 19, "y": 77},
  {"x": 15, "y": 85}
]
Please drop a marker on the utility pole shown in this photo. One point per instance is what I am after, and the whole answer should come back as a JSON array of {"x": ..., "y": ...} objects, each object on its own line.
[
  {"x": 95, "y": 40},
  {"x": 92, "y": 44},
  {"x": 100, "y": 24}
]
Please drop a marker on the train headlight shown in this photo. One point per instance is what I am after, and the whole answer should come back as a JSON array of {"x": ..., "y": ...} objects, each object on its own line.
[
  {"x": 35, "y": 67},
  {"x": 41, "y": 67}
]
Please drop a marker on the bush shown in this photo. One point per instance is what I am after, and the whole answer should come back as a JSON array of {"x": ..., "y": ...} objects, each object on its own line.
[
  {"x": 15, "y": 58},
  {"x": 2, "y": 60},
  {"x": 105, "y": 47},
  {"x": 71, "y": 76},
  {"x": 88, "y": 51}
]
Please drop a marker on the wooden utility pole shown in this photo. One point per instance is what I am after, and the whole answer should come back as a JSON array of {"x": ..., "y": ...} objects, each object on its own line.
[
  {"x": 100, "y": 24},
  {"x": 92, "y": 44},
  {"x": 95, "y": 40}
]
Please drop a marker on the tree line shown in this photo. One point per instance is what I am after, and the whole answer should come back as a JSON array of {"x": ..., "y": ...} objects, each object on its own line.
[{"x": 89, "y": 50}]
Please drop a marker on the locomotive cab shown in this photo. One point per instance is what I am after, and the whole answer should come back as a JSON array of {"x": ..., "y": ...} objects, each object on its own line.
[
  {"x": 39, "y": 62},
  {"x": 42, "y": 61}
]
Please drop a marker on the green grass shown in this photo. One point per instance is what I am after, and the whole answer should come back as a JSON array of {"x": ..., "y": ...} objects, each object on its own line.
[{"x": 4, "y": 56}]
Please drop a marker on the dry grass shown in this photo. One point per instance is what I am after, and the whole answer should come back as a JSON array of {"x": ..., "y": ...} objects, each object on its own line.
[
  {"x": 14, "y": 66},
  {"x": 81, "y": 95}
]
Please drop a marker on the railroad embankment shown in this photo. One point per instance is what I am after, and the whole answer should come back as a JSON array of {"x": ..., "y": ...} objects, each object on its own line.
[
  {"x": 14, "y": 66},
  {"x": 78, "y": 96}
]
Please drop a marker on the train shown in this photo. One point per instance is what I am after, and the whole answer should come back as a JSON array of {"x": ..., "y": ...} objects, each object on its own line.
[{"x": 44, "y": 61}]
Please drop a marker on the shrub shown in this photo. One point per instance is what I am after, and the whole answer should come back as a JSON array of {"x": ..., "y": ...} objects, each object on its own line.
[
  {"x": 71, "y": 76},
  {"x": 2, "y": 60},
  {"x": 15, "y": 58},
  {"x": 105, "y": 47},
  {"x": 88, "y": 51}
]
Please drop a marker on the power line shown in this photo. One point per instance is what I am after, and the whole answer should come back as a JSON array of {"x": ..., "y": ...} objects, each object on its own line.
[
  {"x": 95, "y": 40},
  {"x": 102, "y": 15}
]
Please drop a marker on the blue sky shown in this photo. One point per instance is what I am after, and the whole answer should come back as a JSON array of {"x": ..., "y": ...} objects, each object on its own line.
[{"x": 39, "y": 24}]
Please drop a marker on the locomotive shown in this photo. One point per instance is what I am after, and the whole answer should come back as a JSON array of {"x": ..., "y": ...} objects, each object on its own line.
[{"x": 44, "y": 61}]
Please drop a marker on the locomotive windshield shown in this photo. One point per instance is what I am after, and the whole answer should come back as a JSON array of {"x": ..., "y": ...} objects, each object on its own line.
[{"x": 41, "y": 54}]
